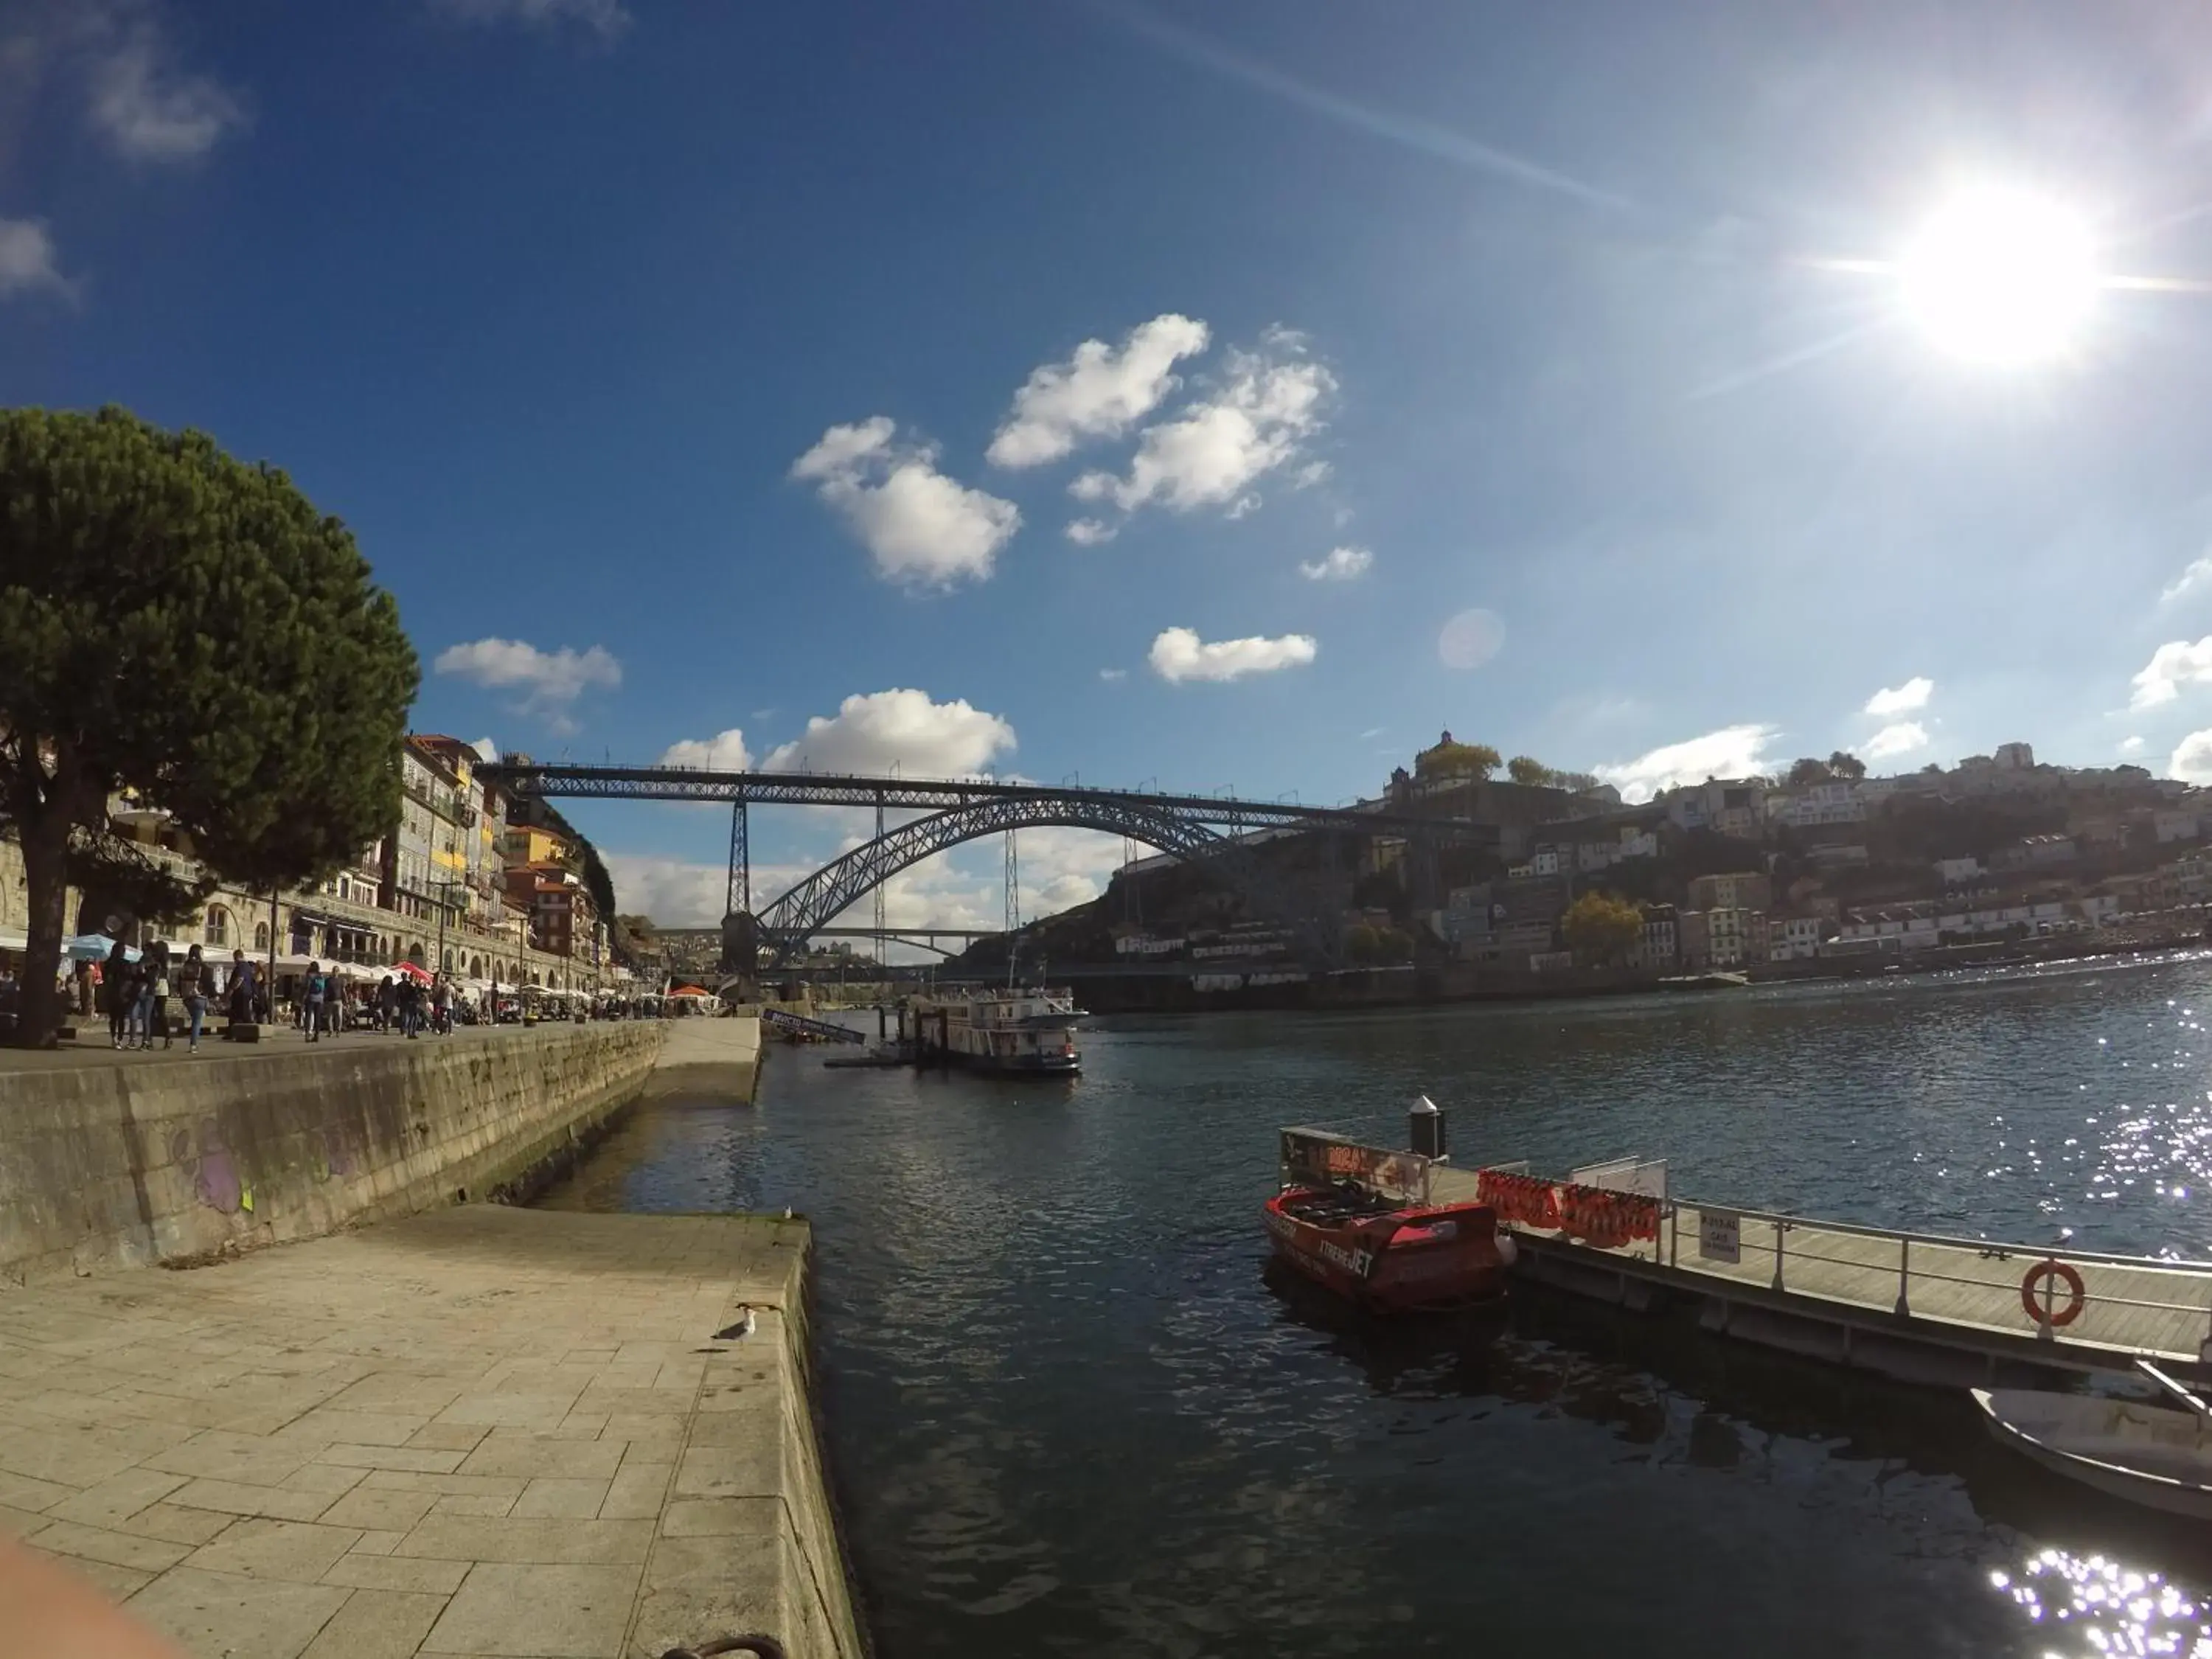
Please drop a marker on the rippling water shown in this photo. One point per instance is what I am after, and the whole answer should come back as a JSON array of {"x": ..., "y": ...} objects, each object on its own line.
[{"x": 1070, "y": 1409}]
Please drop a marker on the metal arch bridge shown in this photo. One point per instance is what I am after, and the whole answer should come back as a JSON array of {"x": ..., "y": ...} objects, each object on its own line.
[{"x": 1214, "y": 831}]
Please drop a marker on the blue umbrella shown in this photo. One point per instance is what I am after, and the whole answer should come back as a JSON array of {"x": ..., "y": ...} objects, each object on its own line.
[{"x": 94, "y": 947}]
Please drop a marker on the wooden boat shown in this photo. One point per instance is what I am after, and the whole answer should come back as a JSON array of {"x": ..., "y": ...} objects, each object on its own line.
[
  {"x": 1385, "y": 1254},
  {"x": 2145, "y": 1454}
]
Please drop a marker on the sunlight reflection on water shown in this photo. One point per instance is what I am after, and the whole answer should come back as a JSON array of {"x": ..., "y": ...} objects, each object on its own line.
[{"x": 2094, "y": 1608}]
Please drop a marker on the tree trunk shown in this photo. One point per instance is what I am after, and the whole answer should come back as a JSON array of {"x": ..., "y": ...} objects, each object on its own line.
[{"x": 45, "y": 849}]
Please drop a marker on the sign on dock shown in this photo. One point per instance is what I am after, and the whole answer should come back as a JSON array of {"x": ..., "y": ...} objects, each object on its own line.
[{"x": 1720, "y": 1236}]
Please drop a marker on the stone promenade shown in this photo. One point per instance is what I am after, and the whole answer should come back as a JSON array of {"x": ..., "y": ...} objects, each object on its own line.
[{"x": 481, "y": 1431}]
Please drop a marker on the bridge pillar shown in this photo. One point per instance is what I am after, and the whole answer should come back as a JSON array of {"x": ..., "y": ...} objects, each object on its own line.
[
  {"x": 739, "y": 898},
  {"x": 741, "y": 947}
]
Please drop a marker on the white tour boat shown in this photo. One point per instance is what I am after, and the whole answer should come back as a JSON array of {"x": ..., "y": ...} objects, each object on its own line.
[
  {"x": 2142, "y": 1453},
  {"x": 1026, "y": 1032}
]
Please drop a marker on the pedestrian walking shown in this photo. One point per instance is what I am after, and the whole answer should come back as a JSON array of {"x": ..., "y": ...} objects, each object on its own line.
[
  {"x": 311, "y": 1007},
  {"x": 116, "y": 986},
  {"x": 154, "y": 994},
  {"x": 387, "y": 1003},
  {"x": 241, "y": 989},
  {"x": 410, "y": 1006},
  {"x": 441, "y": 1006},
  {"x": 190, "y": 981}
]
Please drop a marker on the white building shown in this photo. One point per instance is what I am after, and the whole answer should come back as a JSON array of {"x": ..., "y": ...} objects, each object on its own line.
[
  {"x": 1658, "y": 949},
  {"x": 1793, "y": 939},
  {"x": 1731, "y": 806},
  {"x": 1839, "y": 801},
  {"x": 2176, "y": 824}
]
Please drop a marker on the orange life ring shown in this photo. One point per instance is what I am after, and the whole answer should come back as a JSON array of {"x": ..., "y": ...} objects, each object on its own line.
[
  {"x": 1547, "y": 1206},
  {"x": 2053, "y": 1268}
]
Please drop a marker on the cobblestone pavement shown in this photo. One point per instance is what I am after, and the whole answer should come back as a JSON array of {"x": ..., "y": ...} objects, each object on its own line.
[{"x": 479, "y": 1431}]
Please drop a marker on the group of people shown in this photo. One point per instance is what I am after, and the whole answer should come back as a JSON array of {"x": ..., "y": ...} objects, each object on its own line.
[
  {"x": 401, "y": 1003},
  {"x": 138, "y": 995}
]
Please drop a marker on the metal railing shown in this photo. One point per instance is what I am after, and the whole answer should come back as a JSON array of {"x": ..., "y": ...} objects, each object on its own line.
[{"x": 2064, "y": 1294}]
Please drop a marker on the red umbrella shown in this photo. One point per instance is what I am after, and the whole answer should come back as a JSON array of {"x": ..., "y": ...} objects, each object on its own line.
[{"x": 416, "y": 970}]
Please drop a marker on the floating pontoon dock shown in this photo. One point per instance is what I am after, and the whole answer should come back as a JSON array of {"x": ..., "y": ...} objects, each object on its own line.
[{"x": 1914, "y": 1305}]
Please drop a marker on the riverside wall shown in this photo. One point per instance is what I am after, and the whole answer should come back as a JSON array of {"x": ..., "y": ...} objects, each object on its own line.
[{"x": 105, "y": 1166}]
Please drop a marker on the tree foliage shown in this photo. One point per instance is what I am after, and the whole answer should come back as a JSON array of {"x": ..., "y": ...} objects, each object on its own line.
[
  {"x": 1449, "y": 759},
  {"x": 180, "y": 623},
  {"x": 117, "y": 876},
  {"x": 1810, "y": 771},
  {"x": 1844, "y": 764},
  {"x": 597, "y": 881},
  {"x": 1527, "y": 769},
  {"x": 1601, "y": 925}
]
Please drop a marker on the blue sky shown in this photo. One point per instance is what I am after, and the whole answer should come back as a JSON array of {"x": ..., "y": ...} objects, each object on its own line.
[{"x": 690, "y": 369}]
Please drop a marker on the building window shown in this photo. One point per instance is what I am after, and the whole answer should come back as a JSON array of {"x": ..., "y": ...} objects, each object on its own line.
[
  {"x": 218, "y": 925},
  {"x": 260, "y": 936}
]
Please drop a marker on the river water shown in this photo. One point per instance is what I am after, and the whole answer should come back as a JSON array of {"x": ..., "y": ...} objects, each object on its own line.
[{"x": 1070, "y": 1411}]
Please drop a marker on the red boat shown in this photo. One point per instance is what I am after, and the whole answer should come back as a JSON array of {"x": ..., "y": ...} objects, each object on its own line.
[{"x": 1350, "y": 1218}]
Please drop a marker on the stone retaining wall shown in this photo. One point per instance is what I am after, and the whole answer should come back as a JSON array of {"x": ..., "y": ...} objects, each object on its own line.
[{"x": 109, "y": 1166}]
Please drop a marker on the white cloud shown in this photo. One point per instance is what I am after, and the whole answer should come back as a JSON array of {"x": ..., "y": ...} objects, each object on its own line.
[
  {"x": 724, "y": 752},
  {"x": 1733, "y": 752},
  {"x": 2196, "y": 576},
  {"x": 1900, "y": 738},
  {"x": 2192, "y": 758},
  {"x": 1311, "y": 473},
  {"x": 871, "y": 734},
  {"x": 2131, "y": 745},
  {"x": 549, "y": 681},
  {"x": 678, "y": 893},
  {"x": 924, "y": 528},
  {"x": 1098, "y": 393},
  {"x": 2172, "y": 665},
  {"x": 1341, "y": 564},
  {"x": 608, "y": 18},
  {"x": 1269, "y": 403},
  {"x": 1090, "y": 532},
  {"x": 150, "y": 112},
  {"x": 1901, "y": 699},
  {"x": 1113, "y": 673},
  {"x": 27, "y": 261},
  {"x": 486, "y": 749},
  {"x": 1178, "y": 654}
]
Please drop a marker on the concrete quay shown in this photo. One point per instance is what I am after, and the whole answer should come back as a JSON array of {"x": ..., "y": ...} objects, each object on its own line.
[
  {"x": 481, "y": 1431},
  {"x": 712, "y": 1057},
  {"x": 113, "y": 1160}
]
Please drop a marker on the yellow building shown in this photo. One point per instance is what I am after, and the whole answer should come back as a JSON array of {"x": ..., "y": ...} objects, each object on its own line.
[{"x": 526, "y": 844}]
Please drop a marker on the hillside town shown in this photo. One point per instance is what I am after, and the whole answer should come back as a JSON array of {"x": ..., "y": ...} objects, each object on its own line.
[
  {"x": 1822, "y": 869},
  {"x": 472, "y": 885}
]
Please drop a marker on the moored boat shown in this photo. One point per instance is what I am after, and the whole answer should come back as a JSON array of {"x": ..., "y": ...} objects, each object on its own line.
[
  {"x": 1017, "y": 1032},
  {"x": 1356, "y": 1220},
  {"x": 2141, "y": 1453}
]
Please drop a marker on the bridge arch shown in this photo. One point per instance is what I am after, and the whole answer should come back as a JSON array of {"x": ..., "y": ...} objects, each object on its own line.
[{"x": 843, "y": 882}]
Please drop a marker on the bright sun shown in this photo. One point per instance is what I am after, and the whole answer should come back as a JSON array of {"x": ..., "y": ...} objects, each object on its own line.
[{"x": 2000, "y": 276}]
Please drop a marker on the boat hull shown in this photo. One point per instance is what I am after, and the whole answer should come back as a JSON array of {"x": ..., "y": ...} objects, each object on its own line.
[
  {"x": 1020, "y": 1065},
  {"x": 2083, "y": 1438},
  {"x": 1410, "y": 1261}
]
